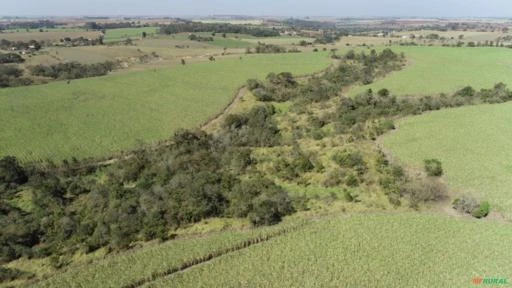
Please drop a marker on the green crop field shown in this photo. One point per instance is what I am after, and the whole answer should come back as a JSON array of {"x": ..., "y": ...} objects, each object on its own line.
[
  {"x": 394, "y": 250},
  {"x": 97, "y": 116},
  {"x": 120, "y": 34},
  {"x": 126, "y": 268},
  {"x": 473, "y": 144},
  {"x": 434, "y": 70}
]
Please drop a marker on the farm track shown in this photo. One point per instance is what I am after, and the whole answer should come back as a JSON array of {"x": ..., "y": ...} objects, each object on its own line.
[{"x": 213, "y": 255}]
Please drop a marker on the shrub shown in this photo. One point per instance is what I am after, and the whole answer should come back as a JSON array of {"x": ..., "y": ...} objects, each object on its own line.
[
  {"x": 469, "y": 205},
  {"x": 348, "y": 159},
  {"x": 482, "y": 211},
  {"x": 10, "y": 274},
  {"x": 383, "y": 92},
  {"x": 254, "y": 84},
  {"x": 433, "y": 167},
  {"x": 465, "y": 204},
  {"x": 424, "y": 190},
  {"x": 467, "y": 91},
  {"x": 351, "y": 180}
]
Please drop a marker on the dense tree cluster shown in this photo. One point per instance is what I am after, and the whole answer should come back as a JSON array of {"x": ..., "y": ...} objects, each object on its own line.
[
  {"x": 146, "y": 195},
  {"x": 112, "y": 25},
  {"x": 81, "y": 41},
  {"x": 29, "y": 24},
  {"x": 11, "y": 58},
  {"x": 20, "y": 45},
  {"x": 198, "y": 38},
  {"x": 193, "y": 27},
  {"x": 11, "y": 76},
  {"x": 266, "y": 48},
  {"x": 73, "y": 70}
]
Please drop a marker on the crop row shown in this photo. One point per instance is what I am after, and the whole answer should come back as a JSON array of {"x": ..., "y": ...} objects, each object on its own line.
[
  {"x": 400, "y": 250},
  {"x": 133, "y": 269}
]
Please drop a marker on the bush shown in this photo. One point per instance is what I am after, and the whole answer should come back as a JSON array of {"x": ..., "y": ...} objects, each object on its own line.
[
  {"x": 465, "y": 204},
  {"x": 469, "y": 205},
  {"x": 482, "y": 211},
  {"x": 424, "y": 190},
  {"x": 467, "y": 91},
  {"x": 383, "y": 92},
  {"x": 11, "y": 171},
  {"x": 433, "y": 167},
  {"x": 254, "y": 84}
]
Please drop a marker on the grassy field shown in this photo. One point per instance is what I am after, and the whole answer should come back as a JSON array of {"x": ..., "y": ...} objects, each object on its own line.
[
  {"x": 472, "y": 142},
  {"x": 434, "y": 70},
  {"x": 229, "y": 41},
  {"x": 97, "y": 116},
  {"x": 124, "y": 269},
  {"x": 395, "y": 250},
  {"x": 114, "y": 35}
]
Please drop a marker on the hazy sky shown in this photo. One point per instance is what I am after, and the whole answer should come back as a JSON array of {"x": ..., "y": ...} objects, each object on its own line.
[{"x": 440, "y": 8}]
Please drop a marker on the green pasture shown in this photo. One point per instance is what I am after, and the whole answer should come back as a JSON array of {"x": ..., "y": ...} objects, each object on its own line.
[
  {"x": 473, "y": 143},
  {"x": 126, "y": 268},
  {"x": 434, "y": 70},
  {"x": 97, "y": 116},
  {"x": 386, "y": 250},
  {"x": 120, "y": 34}
]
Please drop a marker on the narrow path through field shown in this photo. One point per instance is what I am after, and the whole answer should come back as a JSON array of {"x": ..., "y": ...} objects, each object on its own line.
[{"x": 214, "y": 120}]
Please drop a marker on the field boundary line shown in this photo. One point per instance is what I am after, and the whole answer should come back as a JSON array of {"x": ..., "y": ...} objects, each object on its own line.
[{"x": 213, "y": 255}]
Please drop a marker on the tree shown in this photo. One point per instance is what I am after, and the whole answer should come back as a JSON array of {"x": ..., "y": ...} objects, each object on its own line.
[
  {"x": 144, "y": 34},
  {"x": 383, "y": 92}
]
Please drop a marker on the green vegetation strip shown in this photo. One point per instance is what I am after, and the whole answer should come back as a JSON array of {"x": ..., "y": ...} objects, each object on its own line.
[
  {"x": 120, "y": 34},
  {"x": 434, "y": 70},
  {"x": 394, "y": 250},
  {"x": 98, "y": 116},
  {"x": 133, "y": 269},
  {"x": 473, "y": 144}
]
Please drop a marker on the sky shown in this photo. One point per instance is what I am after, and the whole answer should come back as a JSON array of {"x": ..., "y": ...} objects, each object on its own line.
[{"x": 338, "y": 8}]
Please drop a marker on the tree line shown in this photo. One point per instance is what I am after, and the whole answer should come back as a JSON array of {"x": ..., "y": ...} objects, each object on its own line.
[
  {"x": 21, "y": 45},
  {"x": 73, "y": 70},
  {"x": 193, "y": 27}
]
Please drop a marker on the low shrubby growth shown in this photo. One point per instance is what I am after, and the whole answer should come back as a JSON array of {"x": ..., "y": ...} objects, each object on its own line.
[
  {"x": 469, "y": 205},
  {"x": 433, "y": 167}
]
